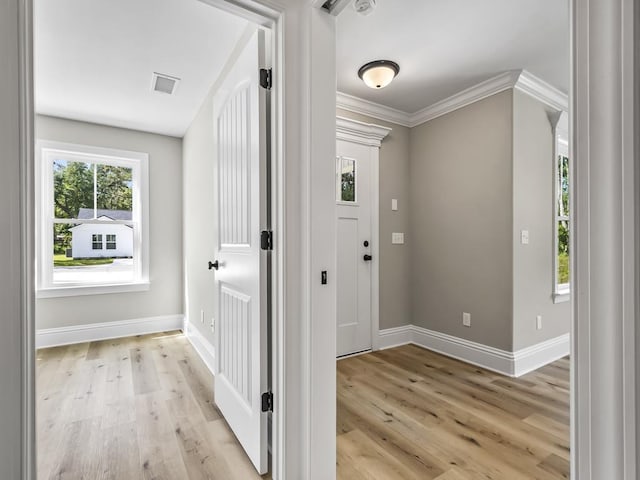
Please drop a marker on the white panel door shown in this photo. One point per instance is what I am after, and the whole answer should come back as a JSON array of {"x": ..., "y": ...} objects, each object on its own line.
[
  {"x": 353, "y": 217},
  {"x": 240, "y": 279}
]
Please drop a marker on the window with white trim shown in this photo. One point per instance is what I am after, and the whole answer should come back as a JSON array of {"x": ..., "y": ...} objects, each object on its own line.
[
  {"x": 96, "y": 242},
  {"x": 111, "y": 242},
  {"x": 88, "y": 197},
  {"x": 562, "y": 189}
]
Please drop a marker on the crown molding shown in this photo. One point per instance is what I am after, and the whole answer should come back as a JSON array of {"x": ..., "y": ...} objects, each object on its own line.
[
  {"x": 371, "y": 109},
  {"x": 360, "y": 132},
  {"x": 478, "y": 92},
  {"x": 515, "y": 79},
  {"x": 542, "y": 91}
]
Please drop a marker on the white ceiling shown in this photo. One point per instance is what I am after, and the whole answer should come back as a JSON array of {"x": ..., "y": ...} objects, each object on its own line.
[
  {"x": 94, "y": 60},
  {"x": 445, "y": 46}
]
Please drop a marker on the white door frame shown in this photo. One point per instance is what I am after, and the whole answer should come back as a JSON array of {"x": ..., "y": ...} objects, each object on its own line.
[
  {"x": 370, "y": 135},
  {"x": 605, "y": 262}
]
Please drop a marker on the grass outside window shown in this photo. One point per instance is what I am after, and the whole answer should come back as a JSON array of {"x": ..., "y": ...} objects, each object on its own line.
[{"x": 64, "y": 261}]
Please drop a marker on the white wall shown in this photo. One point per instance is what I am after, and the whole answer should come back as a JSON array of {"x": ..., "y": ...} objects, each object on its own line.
[
  {"x": 199, "y": 228},
  {"x": 165, "y": 229},
  {"x": 533, "y": 203}
]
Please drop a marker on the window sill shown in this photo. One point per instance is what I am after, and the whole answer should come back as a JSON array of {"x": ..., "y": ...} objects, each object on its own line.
[
  {"x": 77, "y": 290},
  {"x": 561, "y": 297}
]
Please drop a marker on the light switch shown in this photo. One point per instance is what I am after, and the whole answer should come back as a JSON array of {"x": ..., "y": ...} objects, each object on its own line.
[
  {"x": 524, "y": 237},
  {"x": 394, "y": 204},
  {"x": 397, "y": 238}
]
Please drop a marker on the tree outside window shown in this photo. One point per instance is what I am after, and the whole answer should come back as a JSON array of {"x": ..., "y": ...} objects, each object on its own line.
[{"x": 562, "y": 220}]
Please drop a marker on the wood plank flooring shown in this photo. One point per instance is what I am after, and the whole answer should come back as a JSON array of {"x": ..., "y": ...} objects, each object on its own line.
[
  {"x": 142, "y": 408},
  {"x": 132, "y": 409},
  {"x": 411, "y": 414}
]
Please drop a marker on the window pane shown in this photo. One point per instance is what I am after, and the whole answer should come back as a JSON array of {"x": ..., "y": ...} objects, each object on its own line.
[
  {"x": 114, "y": 188},
  {"x": 563, "y": 251},
  {"x": 96, "y": 242},
  {"x": 81, "y": 188},
  {"x": 92, "y": 254},
  {"x": 72, "y": 188},
  {"x": 111, "y": 242},
  {"x": 563, "y": 186},
  {"x": 347, "y": 180}
]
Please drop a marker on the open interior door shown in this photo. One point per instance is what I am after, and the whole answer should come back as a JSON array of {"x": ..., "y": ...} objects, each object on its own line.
[{"x": 240, "y": 280}]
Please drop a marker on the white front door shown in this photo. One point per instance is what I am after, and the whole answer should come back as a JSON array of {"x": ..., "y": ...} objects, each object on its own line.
[
  {"x": 240, "y": 279},
  {"x": 353, "y": 209}
]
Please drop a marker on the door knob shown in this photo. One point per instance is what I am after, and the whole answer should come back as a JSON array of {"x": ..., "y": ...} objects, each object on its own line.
[
  {"x": 214, "y": 265},
  {"x": 368, "y": 258}
]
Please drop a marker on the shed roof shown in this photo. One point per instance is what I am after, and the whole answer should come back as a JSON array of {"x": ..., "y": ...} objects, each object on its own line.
[{"x": 87, "y": 214}]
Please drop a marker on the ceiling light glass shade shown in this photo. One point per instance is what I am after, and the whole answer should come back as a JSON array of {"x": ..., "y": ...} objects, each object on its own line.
[{"x": 379, "y": 73}]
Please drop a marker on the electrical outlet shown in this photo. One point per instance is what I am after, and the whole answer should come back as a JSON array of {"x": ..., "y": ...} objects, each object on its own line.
[
  {"x": 539, "y": 322},
  {"x": 524, "y": 237},
  {"x": 466, "y": 319},
  {"x": 213, "y": 325},
  {"x": 201, "y": 316}
]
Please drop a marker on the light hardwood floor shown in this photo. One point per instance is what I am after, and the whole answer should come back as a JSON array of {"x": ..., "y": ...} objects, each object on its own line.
[
  {"x": 141, "y": 408},
  {"x": 132, "y": 408},
  {"x": 408, "y": 414}
]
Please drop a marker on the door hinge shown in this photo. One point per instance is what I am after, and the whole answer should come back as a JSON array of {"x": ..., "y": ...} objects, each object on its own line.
[
  {"x": 266, "y": 240},
  {"x": 266, "y": 78},
  {"x": 267, "y": 402}
]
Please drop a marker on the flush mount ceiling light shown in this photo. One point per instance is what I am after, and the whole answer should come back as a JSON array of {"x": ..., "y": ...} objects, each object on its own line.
[{"x": 379, "y": 73}]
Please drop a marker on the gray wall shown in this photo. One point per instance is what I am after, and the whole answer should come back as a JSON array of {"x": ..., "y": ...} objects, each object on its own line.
[
  {"x": 199, "y": 235},
  {"x": 461, "y": 222},
  {"x": 533, "y": 170},
  {"x": 11, "y": 242},
  {"x": 395, "y": 261},
  {"x": 165, "y": 197}
]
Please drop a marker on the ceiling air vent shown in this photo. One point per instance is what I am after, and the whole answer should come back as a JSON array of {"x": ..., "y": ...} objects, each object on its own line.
[{"x": 164, "y": 83}]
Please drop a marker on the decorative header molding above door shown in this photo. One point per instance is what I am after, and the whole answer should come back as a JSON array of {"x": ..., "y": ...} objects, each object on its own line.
[{"x": 360, "y": 132}]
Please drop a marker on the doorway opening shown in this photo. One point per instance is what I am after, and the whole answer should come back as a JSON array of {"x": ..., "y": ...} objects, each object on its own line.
[
  {"x": 469, "y": 370},
  {"x": 153, "y": 183}
]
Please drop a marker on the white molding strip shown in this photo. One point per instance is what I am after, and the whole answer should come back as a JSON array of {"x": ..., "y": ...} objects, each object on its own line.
[
  {"x": 521, "y": 80},
  {"x": 491, "y": 358},
  {"x": 201, "y": 345},
  {"x": 542, "y": 91},
  {"x": 394, "y": 337},
  {"x": 53, "y": 337},
  {"x": 363, "y": 133},
  {"x": 372, "y": 109},
  {"x": 529, "y": 359},
  {"x": 512, "y": 364},
  {"x": 478, "y": 92}
]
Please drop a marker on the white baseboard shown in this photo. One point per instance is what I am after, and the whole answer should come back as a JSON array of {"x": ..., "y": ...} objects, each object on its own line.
[
  {"x": 512, "y": 364},
  {"x": 201, "y": 345},
  {"x": 53, "y": 337},
  {"x": 532, "y": 358},
  {"x": 478, "y": 354},
  {"x": 394, "y": 337}
]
